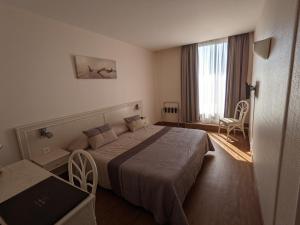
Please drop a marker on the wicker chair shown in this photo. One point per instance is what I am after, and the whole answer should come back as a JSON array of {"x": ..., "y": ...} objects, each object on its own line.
[{"x": 238, "y": 121}]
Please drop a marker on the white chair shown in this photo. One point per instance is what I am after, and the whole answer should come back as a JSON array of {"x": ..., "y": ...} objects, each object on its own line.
[
  {"x": 240, "y": 113},
  {"x": 83, "y": 169}
]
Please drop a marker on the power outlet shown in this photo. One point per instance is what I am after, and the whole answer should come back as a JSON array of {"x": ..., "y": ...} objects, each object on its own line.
[{"x": 46, "y": 150}]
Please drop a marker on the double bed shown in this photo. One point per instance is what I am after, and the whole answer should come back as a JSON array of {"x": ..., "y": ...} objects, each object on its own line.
[{"x": 154, "y": 167}]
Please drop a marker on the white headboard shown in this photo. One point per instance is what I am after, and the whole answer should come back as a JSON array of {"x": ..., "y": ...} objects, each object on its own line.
[{"x": 65, "y": 129}]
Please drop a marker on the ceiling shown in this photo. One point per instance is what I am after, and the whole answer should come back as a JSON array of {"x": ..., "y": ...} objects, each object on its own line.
[{"x": 152, "y": 24}]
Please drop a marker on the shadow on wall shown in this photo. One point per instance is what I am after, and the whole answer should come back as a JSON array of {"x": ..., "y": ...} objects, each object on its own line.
[
  {"x": 257, "y": 84},
  {"x": 72, "y": 59}
]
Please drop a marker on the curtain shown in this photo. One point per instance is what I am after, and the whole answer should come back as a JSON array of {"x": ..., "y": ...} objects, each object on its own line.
[
  {"x": 212, "y": 80},
  {"x": 237, "y": 71},
  {"x": 189, "y": 83}
]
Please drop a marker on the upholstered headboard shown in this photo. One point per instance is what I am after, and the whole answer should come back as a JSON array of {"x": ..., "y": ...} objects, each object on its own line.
[{"x": 65, "y": 129}]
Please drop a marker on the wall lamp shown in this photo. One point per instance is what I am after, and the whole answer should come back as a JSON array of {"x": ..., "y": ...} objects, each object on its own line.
[
  {"x": 263, "y": 48},
  {"x": 252, "y": 88},
  {"x": 249, "y": 89},
  {"x": 45, "y": 133},
  {"x": 137, "y": 107}
]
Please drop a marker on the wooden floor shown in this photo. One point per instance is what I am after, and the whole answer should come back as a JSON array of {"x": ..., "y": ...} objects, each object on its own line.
[{"x": 224, "y": 193}]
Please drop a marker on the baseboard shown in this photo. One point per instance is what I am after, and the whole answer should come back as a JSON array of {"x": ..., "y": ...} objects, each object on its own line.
[{"x": 200, "y": 126}]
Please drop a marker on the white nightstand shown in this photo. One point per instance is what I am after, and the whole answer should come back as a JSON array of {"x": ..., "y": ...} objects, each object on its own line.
[{"x": 52, "y": 160}]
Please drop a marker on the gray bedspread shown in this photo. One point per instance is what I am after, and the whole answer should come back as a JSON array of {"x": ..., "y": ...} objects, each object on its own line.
[{"x": 158, "y": 173}]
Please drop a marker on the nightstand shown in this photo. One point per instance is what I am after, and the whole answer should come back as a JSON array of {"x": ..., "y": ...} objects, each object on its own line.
[{"x": 53, "y": 161}]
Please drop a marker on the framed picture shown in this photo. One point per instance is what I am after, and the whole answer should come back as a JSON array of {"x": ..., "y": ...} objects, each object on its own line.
[{"x": 95, "y": 68}]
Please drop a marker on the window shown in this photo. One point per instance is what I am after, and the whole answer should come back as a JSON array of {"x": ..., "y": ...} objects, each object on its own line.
[{"x": 212, "y": 80}]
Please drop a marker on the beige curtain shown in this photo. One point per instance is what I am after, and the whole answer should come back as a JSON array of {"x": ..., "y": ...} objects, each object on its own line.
[
  {"x": 189, "y": 83},
  {"x": 237, "y": 72}
]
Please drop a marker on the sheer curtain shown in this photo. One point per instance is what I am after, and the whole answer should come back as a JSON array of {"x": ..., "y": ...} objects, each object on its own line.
[{"x": 212, "y": 79}]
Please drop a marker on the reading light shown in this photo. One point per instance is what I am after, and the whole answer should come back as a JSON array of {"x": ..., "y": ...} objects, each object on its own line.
[
  {"x": 137, "y": 107},
  {"x": 249, "y": 89},
  {"x": 45, "y": 133}
]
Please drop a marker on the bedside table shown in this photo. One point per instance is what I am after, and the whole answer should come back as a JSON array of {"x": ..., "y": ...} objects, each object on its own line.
[{"x": 53, "y": 160}]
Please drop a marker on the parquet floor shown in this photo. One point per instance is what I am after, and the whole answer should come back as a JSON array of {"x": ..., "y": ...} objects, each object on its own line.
[{"x": 224, "y": 193}]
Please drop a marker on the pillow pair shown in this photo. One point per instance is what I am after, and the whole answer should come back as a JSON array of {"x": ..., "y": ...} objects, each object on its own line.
[
  {"x": 100, "y": 136},
  {"x": 107, "y": 135},
  {"x": 135, "y": 122}
]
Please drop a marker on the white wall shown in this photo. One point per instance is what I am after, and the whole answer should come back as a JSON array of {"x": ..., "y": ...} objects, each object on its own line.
[
  {"x": 37, "y": 78},
  {"x": 168, "y": 70},
  {"x": 277, "y": 21},
  {"x": 289, "y": 183}
]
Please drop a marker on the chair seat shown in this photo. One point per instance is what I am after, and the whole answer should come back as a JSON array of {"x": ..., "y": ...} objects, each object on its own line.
[{"x": 229, "y": 121}]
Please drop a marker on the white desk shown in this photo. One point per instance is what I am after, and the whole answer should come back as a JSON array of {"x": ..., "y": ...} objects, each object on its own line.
[{"x": 23, "y": 174}]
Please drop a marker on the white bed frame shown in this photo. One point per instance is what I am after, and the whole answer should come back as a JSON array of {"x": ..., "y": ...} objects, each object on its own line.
[{"x": 65, "y": 129}]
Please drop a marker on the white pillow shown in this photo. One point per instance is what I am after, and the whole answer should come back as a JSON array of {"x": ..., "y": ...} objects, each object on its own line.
[
  {"x": 102, "y": 139},
  {"x": 137, "y": 124}
]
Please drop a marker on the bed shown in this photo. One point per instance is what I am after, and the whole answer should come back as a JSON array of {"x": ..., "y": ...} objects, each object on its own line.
[{"x": 154, "y": 167}]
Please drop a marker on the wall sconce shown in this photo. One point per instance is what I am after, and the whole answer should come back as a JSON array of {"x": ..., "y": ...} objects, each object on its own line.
[
  {"x": 263, "y": 47},
  {"x": 137, "y": 107},
  {"x": 249, "y": 88},
  {"x": 45, "y": 133},
  {"x": 252, "y": 88}
]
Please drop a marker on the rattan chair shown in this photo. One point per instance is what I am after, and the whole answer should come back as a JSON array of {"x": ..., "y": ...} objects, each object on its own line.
[{"x": 238, "y": 121}]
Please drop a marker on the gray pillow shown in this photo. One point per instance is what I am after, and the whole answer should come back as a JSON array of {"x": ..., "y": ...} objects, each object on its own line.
[
  {"x": 91, "y": 132},
  {"x": 97, "y": 130},
  {"x": 102, "y": 139},
  {"x": 100, "y": 136},
  {"x": 103, "y": 128}
]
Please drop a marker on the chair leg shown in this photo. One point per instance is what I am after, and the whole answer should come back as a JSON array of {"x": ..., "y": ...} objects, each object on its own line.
[
  {"x": 243, "y": 130},
  {"x": 228, "y": 131}
]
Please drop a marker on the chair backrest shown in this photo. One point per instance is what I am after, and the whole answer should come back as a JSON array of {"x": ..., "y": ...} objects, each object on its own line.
[
  {"x": 241, "y": 110},
  {"x": 83, "y": 171}
]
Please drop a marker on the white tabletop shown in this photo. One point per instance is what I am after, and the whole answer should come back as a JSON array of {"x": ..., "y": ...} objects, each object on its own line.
[
  {"x": 23, "y": 174},
  {"x": 19, "y": 176}
]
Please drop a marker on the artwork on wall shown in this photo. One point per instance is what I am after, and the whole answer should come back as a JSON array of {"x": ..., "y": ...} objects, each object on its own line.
[{"x": 95, "y": 68}]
